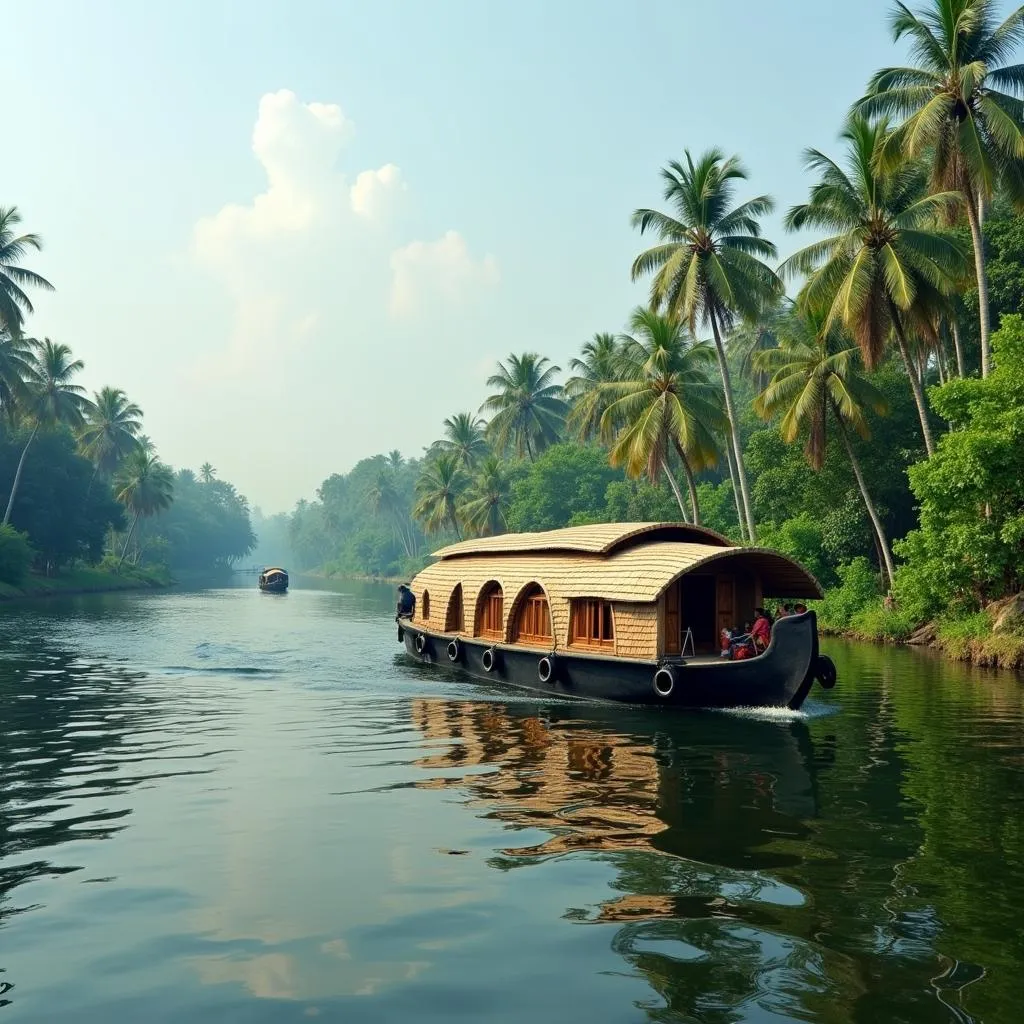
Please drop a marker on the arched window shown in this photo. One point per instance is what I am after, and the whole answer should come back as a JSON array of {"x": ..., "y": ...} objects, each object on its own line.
[
  {"x": 592, "y": 625},
  {"x": 490, "y": 613},
  {"x": 533, "y": 620},
  {"x": 455, "y": 619},
  {"x": 426, "y": 606}
]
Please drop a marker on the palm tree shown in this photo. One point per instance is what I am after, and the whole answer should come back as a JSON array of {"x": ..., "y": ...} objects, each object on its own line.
[
  {"x": 145, "y": 486},
  {"x": 815, "y": 372},
  {"x": 440, "y": 488},
  {"x": 528, "y": 407},
  {"x": 464, "y": 436},
  {"x": 664, "y": 400},
  {"x": 885, "y": 268},
  {"x": 14, "y": 278},
  {"x": 111, "y": 431},
  {"x": 50, "y": 398},
  {"x": 955, "y": 110},
  {"x": 15, "y": 367},
  {"x": 395, "y": 460},
  {"x": 486, "y": 507},
  {"x": 708, "y": 267},
  {"x": 385, "y": 500},
  {"x": 145, "y": 442},
  {"x": 599, "y": 365},
  {"x": 207, "y": 473}
]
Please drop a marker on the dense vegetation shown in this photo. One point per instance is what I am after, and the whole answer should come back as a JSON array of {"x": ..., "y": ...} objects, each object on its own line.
[
  {"x": 85, "y": 485},
  {"x": 869, "y": 426}
]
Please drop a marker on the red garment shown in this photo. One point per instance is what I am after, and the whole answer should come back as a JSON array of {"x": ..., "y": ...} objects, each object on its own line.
[{"x": 762, "y": 631}]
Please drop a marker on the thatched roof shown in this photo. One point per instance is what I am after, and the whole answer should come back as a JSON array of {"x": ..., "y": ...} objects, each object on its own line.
[
  {"x": 637, "y": 575},
  {"x": 599, "y": 539}
]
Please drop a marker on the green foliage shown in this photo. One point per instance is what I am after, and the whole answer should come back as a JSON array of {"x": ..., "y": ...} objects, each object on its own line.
[
  {"x": 801, "y": 538},
  {"x": 876, "y": 622},
  {"x": 567, "y": 480},
  {"x": 856, "y": 589},
  {"x": 969, "y": 548},
  {"x": 15, "y": 555}
]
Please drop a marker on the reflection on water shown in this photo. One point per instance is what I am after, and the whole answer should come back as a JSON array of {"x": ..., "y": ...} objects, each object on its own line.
[{"x": 219, "y": 806}]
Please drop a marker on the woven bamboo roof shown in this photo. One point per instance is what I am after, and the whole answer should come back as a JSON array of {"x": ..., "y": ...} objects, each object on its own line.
[
  {"x": 633, "y": 574},
  {"x": 598, "y": 539}
]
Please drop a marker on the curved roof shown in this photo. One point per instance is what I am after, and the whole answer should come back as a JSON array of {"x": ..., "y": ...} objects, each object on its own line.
[
  {"x": 599, "y": 539},
  {"x": 636, "y": 575}
]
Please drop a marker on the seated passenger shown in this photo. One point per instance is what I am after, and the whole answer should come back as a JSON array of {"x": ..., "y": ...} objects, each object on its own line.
[
  {"x": 406, "y": 603},
  {"x": 800, "y": 609},
  {"x": 762, "y": 631}
]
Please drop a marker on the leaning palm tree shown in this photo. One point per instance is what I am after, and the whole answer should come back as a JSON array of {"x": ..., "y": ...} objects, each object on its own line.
[
  {"x": 14, "y": 278},
  {"x": 815, "y": 375},
  {"x": 464, "y": 436},
  {"x": 50, "y": 399},
  {"x": 884, "y": 268},
  {"x": 664, "y": 401},
  {"x": 599, "y": 365},
  {"x": 145, "y": 486},
  {"x": 111, "y": 430},
  {"x": 440, "y": 489},
  {"x": 486, "y": 508},
  {"x": 528, "y": 406},
  {"x": 207, "y": 473},
  {"x": 15, "y": 367},
  {"x": 708, "y": 267},
  {"x": 962, "y": 110}
]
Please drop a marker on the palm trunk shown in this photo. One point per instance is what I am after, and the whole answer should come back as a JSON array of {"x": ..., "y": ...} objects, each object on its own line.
[
  {"x": 128, "y": 540},
  {"x": 915, "y": 383},
  {"x": 735, "y": 490},
  {"x": 876, "y": 522},
  {"x": 92, "y": 480},
  {"x": 17, "y": 475},
  {"x": 529, "y": 448},
  {"x": 741, "y": 472},
  {"x": 978, "y": 240},
  {"x": 675, "y": 490},
  {"x": 690, "y": 483},
  {"x": 959, "y": 348}
]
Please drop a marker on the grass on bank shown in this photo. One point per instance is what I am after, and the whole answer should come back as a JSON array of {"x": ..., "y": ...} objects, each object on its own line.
[{"x": 86, "y": 580}]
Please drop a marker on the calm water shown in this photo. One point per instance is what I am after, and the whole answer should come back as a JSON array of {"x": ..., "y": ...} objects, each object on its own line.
[{"x": 233, "y": 807}]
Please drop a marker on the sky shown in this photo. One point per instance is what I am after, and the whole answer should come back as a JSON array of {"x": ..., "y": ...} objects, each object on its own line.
[{"x": 298, "y": 234}]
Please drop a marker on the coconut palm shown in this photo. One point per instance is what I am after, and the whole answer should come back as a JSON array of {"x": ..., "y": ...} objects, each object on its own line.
[
  {"x": 111, "y": 430},
  {"x": 14, "y": 278},
  {"x": 386, "y": 501},
  {"x": 50, "y": 398},
  {"x": 395, "y": 459},
  {"x": 464, "y": 436},
  {"x": 599, "y": 365},
  {"x": 815, "y": 375},
  {"x": 486, "y": 506},
  {"x": 440, "y": 489},
  {"x": 663, "y": 401},
  {"x": 528, "y": 407},
  {"x": 885, "y": 268},
  {"x": 207, "y": 473},
  {"x": 145, "y": 486},
  {"x": 15, "y": 366},
  {"x": 961, "y": 106},
  {"x": 708, "y": 267},
  {"x": 145, "y": 442}
]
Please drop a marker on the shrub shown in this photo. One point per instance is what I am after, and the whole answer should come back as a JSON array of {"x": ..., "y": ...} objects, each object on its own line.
[
  {"x": 876, "y": 622},
  {"x": 16, "y": 555},
  {"x": 858, "y": 587}
]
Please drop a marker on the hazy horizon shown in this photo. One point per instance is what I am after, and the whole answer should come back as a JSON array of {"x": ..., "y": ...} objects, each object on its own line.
[{"x": 352, "y": 211}]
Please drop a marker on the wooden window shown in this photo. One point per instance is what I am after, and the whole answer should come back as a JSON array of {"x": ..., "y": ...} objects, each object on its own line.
[
  {"x": 425, "y": 613},
  {"x": 533, "y": 625},
  {"x": 455, "y": 620},
  {"x": 592, "y": 625},
  {"x": 490, "y": 613}
]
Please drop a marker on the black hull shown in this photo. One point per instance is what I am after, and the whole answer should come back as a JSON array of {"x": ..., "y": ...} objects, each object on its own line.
[
  {"x": 780, "y": 678},
  {"x": 274, "y": 588}
]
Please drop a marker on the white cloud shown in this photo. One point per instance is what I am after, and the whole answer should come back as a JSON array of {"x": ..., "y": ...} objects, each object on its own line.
[
  {"x": 423, "y": 272},
  {"x": 308, "y": 271}
]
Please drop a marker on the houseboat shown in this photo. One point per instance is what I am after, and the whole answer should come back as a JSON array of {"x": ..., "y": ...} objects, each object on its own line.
[
  {"x": 274, "y": 581},
  {"x": 627, "y": 612}
]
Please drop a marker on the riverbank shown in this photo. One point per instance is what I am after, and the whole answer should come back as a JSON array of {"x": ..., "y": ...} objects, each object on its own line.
[{"x": 86, "y": 581}]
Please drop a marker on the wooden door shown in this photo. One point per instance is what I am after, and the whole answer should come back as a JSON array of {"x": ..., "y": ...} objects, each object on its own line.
[
  {"x": 672, "y": 628},
  {"x": 726, "y": 603}
]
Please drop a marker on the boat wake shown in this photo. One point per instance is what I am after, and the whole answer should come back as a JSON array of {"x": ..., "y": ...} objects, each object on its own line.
[{"x": 807, "y": 713}]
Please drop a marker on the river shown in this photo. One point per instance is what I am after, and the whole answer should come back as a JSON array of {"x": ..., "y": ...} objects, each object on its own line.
[{"x": 228, "y": 806}]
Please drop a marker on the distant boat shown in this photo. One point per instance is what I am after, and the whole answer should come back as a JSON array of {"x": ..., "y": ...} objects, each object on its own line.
[{"x": 274, "y": 581}]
